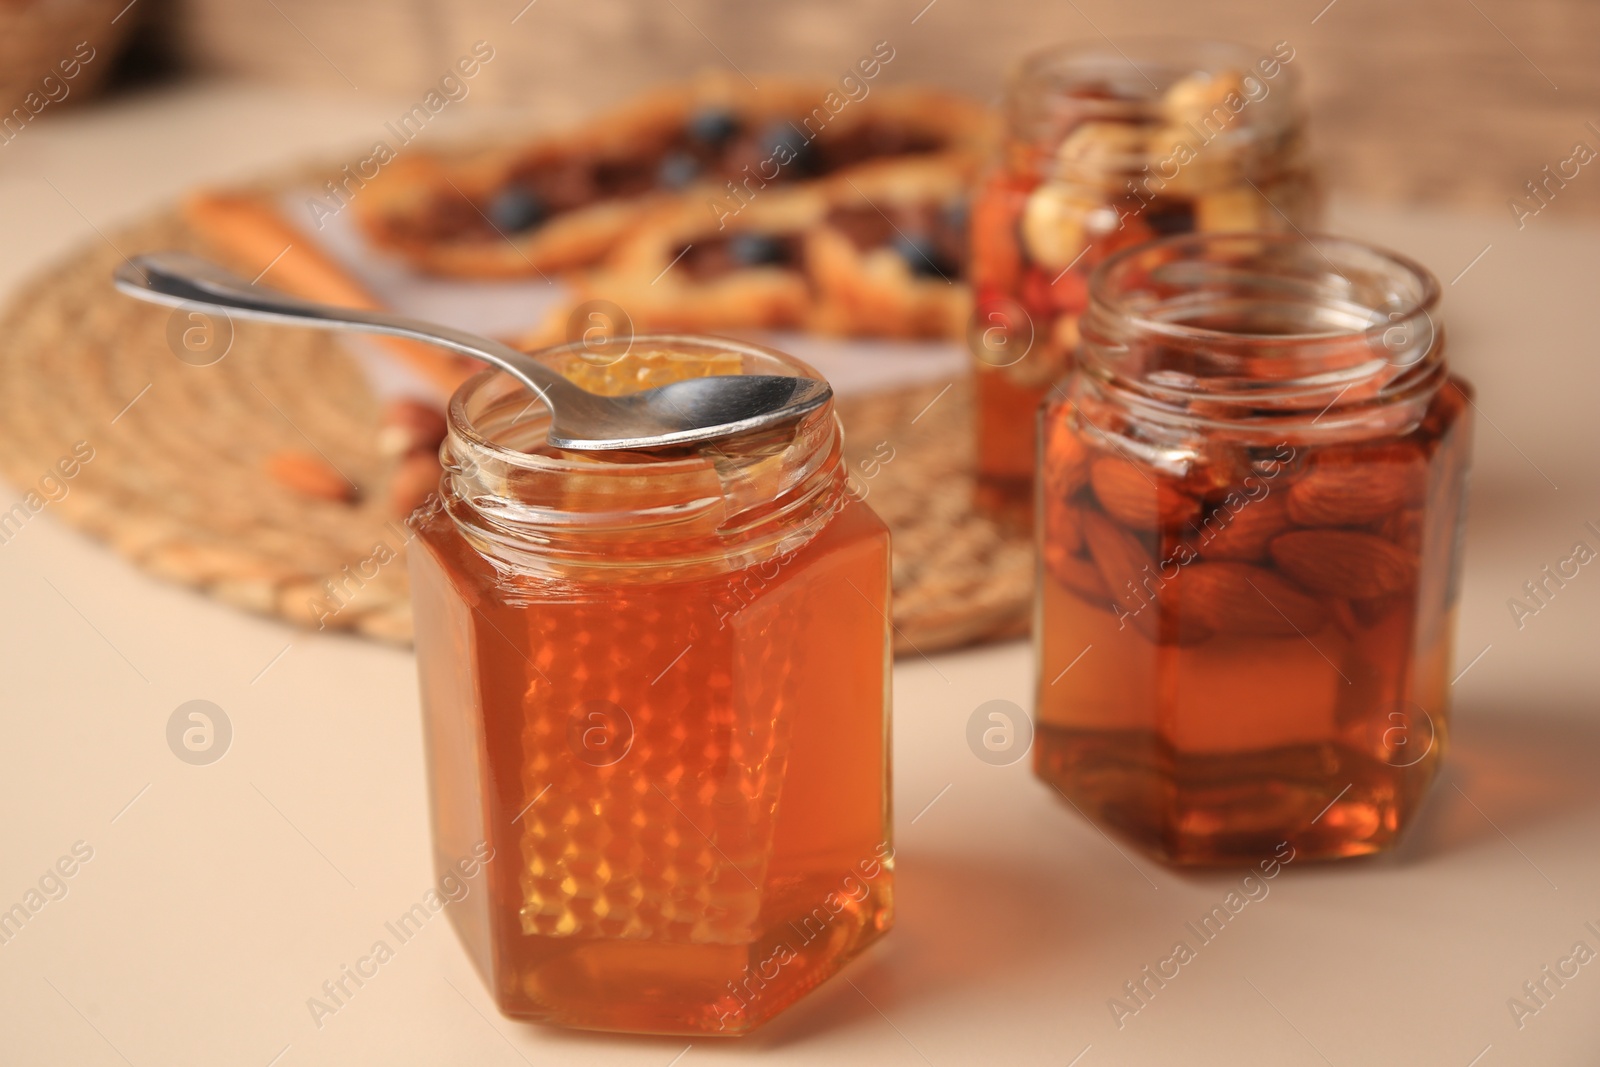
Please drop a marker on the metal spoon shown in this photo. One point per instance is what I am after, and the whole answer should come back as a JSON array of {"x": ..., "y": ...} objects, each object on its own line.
[{"x": 696, "y": 409}]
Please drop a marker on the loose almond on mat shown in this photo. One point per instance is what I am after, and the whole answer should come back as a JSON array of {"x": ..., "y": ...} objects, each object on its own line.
[
  {"x": 407, "y": 425},
  {"x": 309, "y": 475},
  {"x": 249, "y": 227}
]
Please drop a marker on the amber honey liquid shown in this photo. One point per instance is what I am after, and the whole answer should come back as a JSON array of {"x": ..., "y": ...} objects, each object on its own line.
[
  {"x": 1008, "y": 414},
  {"x": 682, "y": 779},
  {"x": 1257, "y": 651}
]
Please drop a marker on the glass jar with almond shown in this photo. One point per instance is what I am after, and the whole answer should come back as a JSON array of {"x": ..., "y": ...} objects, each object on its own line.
[
  {"x": 1250, "y": 511},
  {"x": 1103, "y": 151},
  {"x": 656, "y": 695}
]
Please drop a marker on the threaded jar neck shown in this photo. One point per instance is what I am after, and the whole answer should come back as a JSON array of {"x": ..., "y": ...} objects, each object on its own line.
[
  {"x": 1323, "y": 333},
  {"x": 1095, "y": 115},
  {"x": 531, "y": 507}
]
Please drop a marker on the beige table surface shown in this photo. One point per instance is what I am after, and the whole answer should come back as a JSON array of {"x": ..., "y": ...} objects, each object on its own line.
[{"x": 219, "y": 898}]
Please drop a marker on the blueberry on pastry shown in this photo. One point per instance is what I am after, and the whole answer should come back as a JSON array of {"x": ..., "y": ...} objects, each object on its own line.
[
  {"x": 877, "y": 253},
  {"x": 566, "y": 200}
]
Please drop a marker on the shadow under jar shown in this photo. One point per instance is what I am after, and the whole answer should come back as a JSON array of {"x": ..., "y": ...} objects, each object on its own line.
[
  {"x": 1104, "y": 151},
  {"x": 655, "y": 694},
  {"x": 1250, "y": 515}
]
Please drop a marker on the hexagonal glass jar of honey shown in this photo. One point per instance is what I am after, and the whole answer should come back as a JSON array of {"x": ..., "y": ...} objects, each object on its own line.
[{"x": 656, "y": 694}]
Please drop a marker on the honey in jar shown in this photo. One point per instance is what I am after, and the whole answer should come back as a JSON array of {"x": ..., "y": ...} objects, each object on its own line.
[
  {"x": 656, "y": 691},
  {"x": 1105, "y": 150},
  {"x": 1249, "y": 522}
]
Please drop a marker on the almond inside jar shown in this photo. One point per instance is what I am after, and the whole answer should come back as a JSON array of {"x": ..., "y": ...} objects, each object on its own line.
[
  {"x": 1249, "y": 529},
  {"x": 656, "y": 686}
]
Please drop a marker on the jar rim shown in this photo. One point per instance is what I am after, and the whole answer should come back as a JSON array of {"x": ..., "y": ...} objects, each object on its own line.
[
  {"x": 1116, "y": 266},
  {"x": 461, "y": 420},
  {"x": 519, "y": 499},
  {"x": 1042, "y": 106},
  {"x": 1165, "y": 54},
  {"x": 1263, "y": 326}
]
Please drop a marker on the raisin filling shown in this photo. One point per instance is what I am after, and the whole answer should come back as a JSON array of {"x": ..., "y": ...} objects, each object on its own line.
[
  {"x": 721, "y": 255},
  {"x": 931, "y": 238},
  {"x": 713, "y": 145}
]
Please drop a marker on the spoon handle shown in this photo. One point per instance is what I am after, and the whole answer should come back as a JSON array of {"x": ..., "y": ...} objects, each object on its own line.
[{"x": 179, "y": 279}]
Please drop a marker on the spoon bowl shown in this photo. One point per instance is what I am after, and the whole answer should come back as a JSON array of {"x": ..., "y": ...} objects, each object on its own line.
[
  {"x": 689, "y": 411},
  {"x": 681, "y": 413}
]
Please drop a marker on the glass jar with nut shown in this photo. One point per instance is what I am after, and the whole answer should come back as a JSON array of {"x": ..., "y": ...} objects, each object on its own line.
[
  {"x": 1104, "y": 151},
  {"x": 1250, "y": 508}
]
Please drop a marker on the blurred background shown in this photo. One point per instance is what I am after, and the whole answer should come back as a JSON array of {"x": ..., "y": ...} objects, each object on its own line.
[
  {"x": 1427, "y": 118},
  {"x": 1442, "y": 102}
]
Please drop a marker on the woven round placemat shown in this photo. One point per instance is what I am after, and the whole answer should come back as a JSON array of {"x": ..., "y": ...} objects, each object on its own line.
[{"x": 173, "y": 478}]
